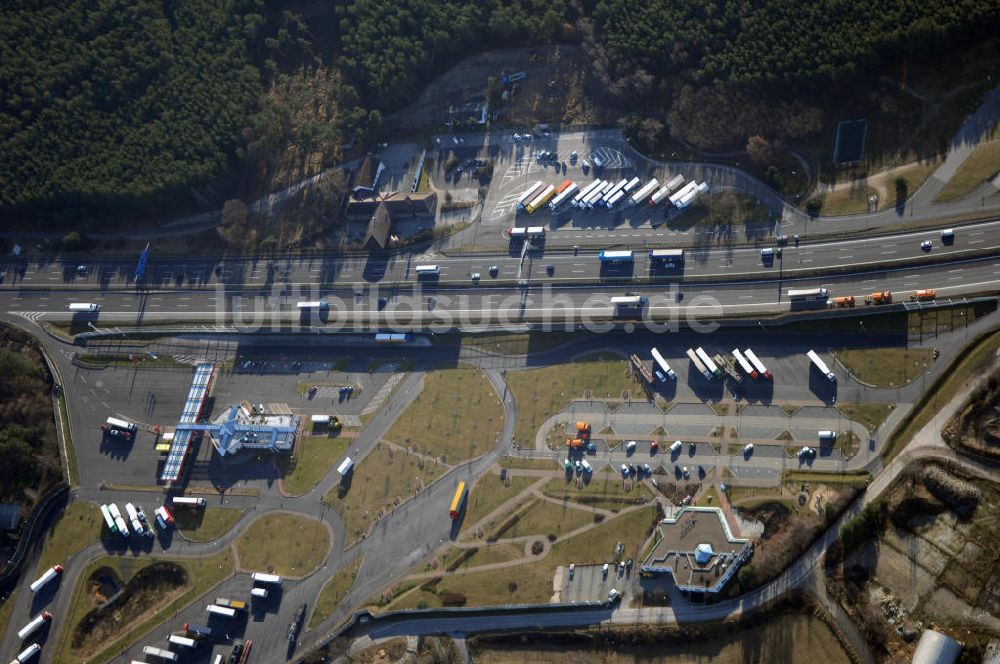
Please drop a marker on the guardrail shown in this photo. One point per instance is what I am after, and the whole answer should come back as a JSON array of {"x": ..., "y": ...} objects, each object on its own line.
[{"x": 12, "y": 570}]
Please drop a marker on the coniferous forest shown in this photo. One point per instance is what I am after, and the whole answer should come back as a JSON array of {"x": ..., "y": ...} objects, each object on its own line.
[{"x": 111, "y": 108}]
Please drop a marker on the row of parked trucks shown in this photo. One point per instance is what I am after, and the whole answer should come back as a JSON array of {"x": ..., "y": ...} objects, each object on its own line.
[
  {"x": 821, "y": 297},
  {"x": 193, "y": 634},
  {"x": 609, "y": 194},
  {"x": 30, "y": 651}
]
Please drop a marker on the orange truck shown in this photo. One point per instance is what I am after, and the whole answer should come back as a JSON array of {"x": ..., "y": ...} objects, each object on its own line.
[
  {"x": 881, "y": 297},
  {"x": 926, "y": 294},
  {"x": 844, "y": 301},
  {"x": 583, "y": 429},
  {"x": 574, "y": 442}
]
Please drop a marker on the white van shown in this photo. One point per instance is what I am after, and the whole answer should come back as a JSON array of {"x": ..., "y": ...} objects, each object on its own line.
[
  {"x": 825, "y": 435},
  {"x": 259, "y": 592},
  {"x": 89, "y": 307},
  {"x": 767, "y": 254},
  {"x": 748, "y": 449},
  {"x": 676, "y": 447},
  {"x": 947, "y": 235}
]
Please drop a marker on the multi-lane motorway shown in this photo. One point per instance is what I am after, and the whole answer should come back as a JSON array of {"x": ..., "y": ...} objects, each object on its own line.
[{"x": 558, "y": 288}]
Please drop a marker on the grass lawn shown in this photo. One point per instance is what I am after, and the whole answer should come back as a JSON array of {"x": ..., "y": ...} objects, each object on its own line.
[
  {"x": 490, "y": 492},
  {"x": 314, "y": 457},
  {"x": 203, "y": 574},
  {"x": 457, "y": 416},
  {"x": 334, "y": 592},
  {"x": 541, "y": 393},
  {"x": 872, "y": 415},
  {"x": 529, "y": 464},
  {"x": 284, "y": 544},
  {"x": 79, "y": 525},
  {"x": 541, "y": 518},
  {"x": 515, "y": 344},
  {"x": 847, "y": 200},
  {"x": 532, "y": 582},
  {"x": 485, "y": 554},
  {"x": 796, "y": 476},
  {"x": 886, "y": 367},
  {"x": 738, "y": 493},
  {"x": 981, "y": 164},
  {"x": 384, "y": 475},
  {"x": 976, "y": 359},
  {"x": 710, "y": 498},
  {"x": 205, "y": 524},
  {"x": 603, "y": 492}
]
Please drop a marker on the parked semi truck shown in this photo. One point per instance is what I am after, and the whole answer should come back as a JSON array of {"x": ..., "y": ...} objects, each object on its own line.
[
  {"x": 586, "y": 191},
  {"x": 645, "y": 192},
  {"x": 529, "y": 194},
  {"x": 698, "y": 364},
  {"x": 709, "y": 364},
  {"x": 35, "y": 625},
  {"x": 880, "y": 297},
  {"x": 757, "y": 364},
  {"x": 821, "y": 365},
  {"x": 49, "y": 575},
  {"x": 27, "y": 654},
  {"x": 269, "y": 579},
  {"x": 564, "y": 196},
  {"x": 153, "y": 651},
  {"x": 239, "y": 605},
  {"x": 744, "y": 364}
]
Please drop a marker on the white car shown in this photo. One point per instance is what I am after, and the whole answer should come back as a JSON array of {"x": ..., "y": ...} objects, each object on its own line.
[
  {"x": 926, "y": 245},
  {"x": 572, "y": 569},
  {"x": 475, "y": 276},
  {"x": 806, "y": 452},
  {"x": 456, "y": 140},
  {"x": 604, "y": 570}
]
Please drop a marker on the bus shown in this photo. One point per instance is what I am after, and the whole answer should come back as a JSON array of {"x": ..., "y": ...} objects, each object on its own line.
[
  {"x": 318, "y": 305},
  {"x": 109, "y": 520},
  {"x": 667, "y": 257},
  {"x": 804, "y": 294},
  {"x": 260, "y": 577},
  {"x": 457, "y": 501},
  {"x": 427, "y": 271},
  {"x": 615, "y": 256}
]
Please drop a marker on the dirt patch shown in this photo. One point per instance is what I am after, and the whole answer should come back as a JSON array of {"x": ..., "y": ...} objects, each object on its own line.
[
  {"x": 780, "y": 634},
  {"x": 120, "y": 607},
  {"x": 925, "y": 563},
  {"x": 555, "y": 90},
  {"x": 976, "y": 427}
]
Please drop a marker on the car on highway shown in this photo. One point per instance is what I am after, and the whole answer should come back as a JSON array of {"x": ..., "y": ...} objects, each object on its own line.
[
  {"x": 948, "y": 235},
  {"x": 494, "y": 270},
  {"x": 926, "y": 245},
  {"x": 550, "y": 269},
  {"x": 475, "y": 277},
  {"x": 81, "y": 270},
  {"x": 748, "y": 450}
]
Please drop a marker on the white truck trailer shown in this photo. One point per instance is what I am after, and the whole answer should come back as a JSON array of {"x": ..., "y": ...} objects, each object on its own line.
[
  {"x": 757, "y": 364},
  {"x": 35, "y": 625},
  {"x": 709, "y": 364},
  {"x": 644, "y": 192},
  {"x": 821, "y": 365},
  {"x": 50, "y": 574},
  {"x": 744, "y": 364},
  {"x": 698, "y": 364}
]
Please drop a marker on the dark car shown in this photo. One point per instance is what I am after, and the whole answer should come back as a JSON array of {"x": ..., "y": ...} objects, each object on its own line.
[{"x": 550, "y": 269}]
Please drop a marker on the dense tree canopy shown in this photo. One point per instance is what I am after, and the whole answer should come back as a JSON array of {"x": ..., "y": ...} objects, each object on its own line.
[
  {"x": 121, "y": 100},
  {"x": 780, "y": 40},
  {"x": 136, "y": 105}
]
